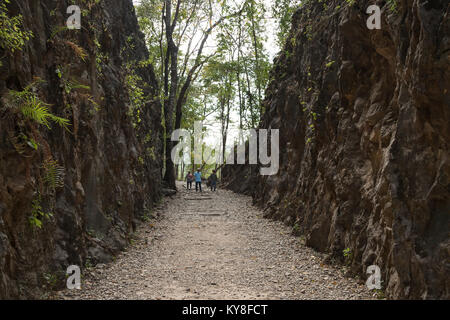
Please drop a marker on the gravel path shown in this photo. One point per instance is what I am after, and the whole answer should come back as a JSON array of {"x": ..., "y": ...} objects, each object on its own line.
[{"x": 218, "y": 247}]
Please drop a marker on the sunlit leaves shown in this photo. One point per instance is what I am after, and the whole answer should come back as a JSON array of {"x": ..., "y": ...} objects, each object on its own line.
[
  {"x": 12, "y": 35},
  {"x": 283, "y": 10}
]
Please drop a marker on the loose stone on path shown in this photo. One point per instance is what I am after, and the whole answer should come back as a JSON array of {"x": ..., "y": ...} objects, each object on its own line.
[{"x": 216, "y": 246}]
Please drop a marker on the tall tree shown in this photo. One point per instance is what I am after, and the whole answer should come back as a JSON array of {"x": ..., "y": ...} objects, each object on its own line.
[{"x": 187, "y": 24}]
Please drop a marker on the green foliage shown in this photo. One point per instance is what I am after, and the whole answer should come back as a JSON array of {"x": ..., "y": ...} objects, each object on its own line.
[
  {"x": 134, "y": 83},
  {"x": 350, "y": 2},
  {"x": 53, "y": 174},
  {"x": 220, "y": 64},
  {"x": 347, "y": 252},
  {"x": 37, "y": 213},
  {"x": 69, "y": 84},
  {"x": 100, "y": 57},
  {"x": 31, "y": 142},
  {"x": 148, "y": 216},
  {"x": 12, "y": 36},
  {"x": 21, "y": 142},
  {"x": 283, "y": 11},
  {"x": 35, "y": 222},
  {"x": 88, "y": 264},
  {"x": 51, "y": 279},
  {"x": 32, "y": 108},
  {"x": 348, "y": 255},
  {"x": 147, "y": 138},
  {"x": 151, "y": 153},
  {"x": 240, "y": 44},
  {"x": 329, "y": 64},
  {"x": 308, "y": 32},
  {"x": 392, "y": 4},
  {"x": 56, "y": 30},
  {"x": 380, "y": 294},
  {"x": 136, "y": 93},
  {"x": 73, "y": 85}
]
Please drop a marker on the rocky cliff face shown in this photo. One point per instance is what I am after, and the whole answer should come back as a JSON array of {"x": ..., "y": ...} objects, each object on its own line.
[
  {"x": 74, "y": 196},
  {"x": 364, "y": 140}
]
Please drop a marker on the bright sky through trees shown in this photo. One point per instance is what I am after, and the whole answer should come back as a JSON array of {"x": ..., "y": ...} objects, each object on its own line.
[{"x": 222, "y": 51}]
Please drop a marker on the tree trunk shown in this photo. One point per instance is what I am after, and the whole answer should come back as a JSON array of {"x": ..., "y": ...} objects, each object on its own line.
[
  {"x": 255, "y": 44},
  {"x": 172, "y": 51}
]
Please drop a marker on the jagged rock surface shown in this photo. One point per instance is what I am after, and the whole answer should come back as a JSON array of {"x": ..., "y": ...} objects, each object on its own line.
[
  {"x": 111, "y": 173},
  {"x": 364, "y": 140}
]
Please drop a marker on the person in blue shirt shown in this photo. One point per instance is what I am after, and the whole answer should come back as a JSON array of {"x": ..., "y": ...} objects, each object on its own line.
[{"x": 198, "y": 180}]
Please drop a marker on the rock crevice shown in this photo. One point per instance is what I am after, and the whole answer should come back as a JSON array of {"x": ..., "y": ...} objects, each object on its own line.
[
  {"x": 364, "y": 130},
  {"x": 89, "y": 185}
]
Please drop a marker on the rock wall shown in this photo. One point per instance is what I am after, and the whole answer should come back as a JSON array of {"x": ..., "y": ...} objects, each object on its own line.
[
  {"x": 364, "y": 140},
  {"x": 88, "y": 185}
]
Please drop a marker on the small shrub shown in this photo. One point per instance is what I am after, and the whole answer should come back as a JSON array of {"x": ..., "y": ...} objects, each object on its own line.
[
  {"x": 37, "y": 213},
  {"x": 347, "y": 255}
]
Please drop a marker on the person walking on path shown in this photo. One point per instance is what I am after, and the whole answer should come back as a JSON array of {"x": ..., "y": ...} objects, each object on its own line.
[
  {"x": 213, "y": 180},
  {"x": 189, "y": 179},
  {"x": 198, "y": 180}
]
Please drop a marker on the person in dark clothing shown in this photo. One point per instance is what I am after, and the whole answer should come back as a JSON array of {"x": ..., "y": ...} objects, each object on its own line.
[
  {"x": 213, "y": 181},
  {"x": 189, "y": 179}
]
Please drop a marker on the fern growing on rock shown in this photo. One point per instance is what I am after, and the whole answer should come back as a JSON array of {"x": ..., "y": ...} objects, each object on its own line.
[
  {"x": 31, "y": 107},
  {"x": 53, "y": 174}
]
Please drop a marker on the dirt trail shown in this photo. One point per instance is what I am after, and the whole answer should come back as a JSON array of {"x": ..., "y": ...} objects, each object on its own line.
[{"x": 216, "y": 246}]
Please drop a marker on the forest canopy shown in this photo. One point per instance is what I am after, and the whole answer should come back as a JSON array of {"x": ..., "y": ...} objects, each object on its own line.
[{"x": 212, "y": 60}]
